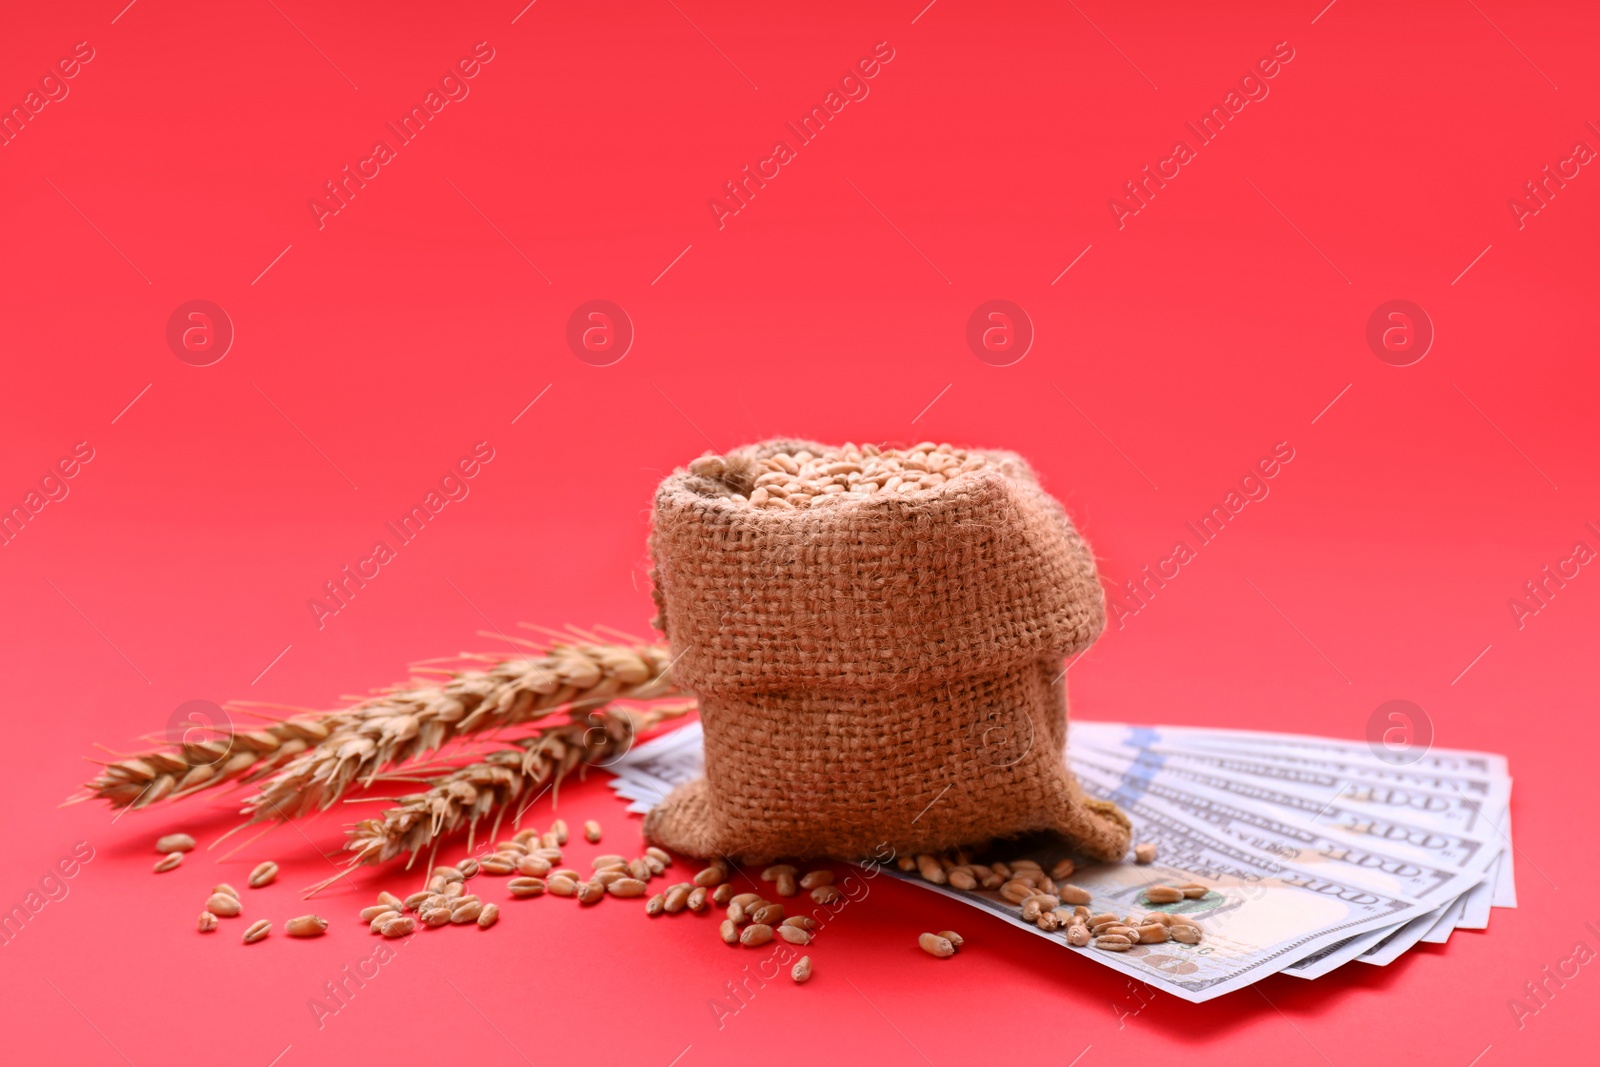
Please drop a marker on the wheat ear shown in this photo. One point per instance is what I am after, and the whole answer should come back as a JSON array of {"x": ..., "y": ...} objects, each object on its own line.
[
  {"x": 401, "y": 726},
  {"x": 144, "y": 778},
  {"x": 309, "y": 760},
  {"x": 499, "y": 782}
]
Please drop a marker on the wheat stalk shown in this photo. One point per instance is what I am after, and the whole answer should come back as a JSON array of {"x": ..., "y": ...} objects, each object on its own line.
[
  {"x": 307, "y": 762},
  {"x": 493, "y": 785}
]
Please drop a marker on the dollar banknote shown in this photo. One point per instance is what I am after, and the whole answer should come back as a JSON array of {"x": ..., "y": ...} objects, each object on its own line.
[
  {"x": 1395, "y": 943},
  {"x": 1483, "y": 766},
  {"x": 1297, "y": 838},
  {"x": 1302, "y": 841},
  {"x": 1459, "y": 803},
  {"x": 1444, "y": 801},
  {"x": 1444, "y": 760},
  {"x": 1260, "y": 914},
  {"x": 1316, "y": 855},
  {"x": 1454, "y": 836}
]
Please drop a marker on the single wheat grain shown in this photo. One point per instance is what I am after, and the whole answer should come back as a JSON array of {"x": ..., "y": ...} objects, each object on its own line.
[
  {"x": 713, "y": 875},
  {"x": 221, "y": 904},
  {"x": 306, "y": 926},
  {"x": 399, "y": 926}
]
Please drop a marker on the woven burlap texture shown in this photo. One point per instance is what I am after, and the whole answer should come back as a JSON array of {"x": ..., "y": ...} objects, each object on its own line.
[{"x": 878, "y": 673}]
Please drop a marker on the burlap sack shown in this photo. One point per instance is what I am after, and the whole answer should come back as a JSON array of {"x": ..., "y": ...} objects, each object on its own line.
[{"x": 885, "y": 672}]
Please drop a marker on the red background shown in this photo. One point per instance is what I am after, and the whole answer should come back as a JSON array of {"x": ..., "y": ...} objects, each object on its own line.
[{"x": 1222, "y": 319}]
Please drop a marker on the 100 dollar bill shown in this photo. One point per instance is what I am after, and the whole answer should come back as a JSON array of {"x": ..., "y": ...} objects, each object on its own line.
[
  {"x": 1442, "y": 760},
  {"x": 1260, "y": 914},
  {"x": 1484, "y": 767},
  {"x": 1263, "y": 914},
  {"x": 1441, "y": 802},
  {"x": 1394, "y": 827},
  {"x": 1309, "y": 845}
]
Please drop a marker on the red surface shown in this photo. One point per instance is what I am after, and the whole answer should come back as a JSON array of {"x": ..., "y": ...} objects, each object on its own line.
[{"x": 1220, "y": 320}]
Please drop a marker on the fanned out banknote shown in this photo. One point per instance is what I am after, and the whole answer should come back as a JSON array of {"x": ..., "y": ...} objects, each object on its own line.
[{"x": 1318, "y": 851}]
